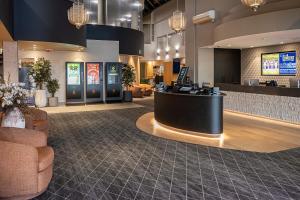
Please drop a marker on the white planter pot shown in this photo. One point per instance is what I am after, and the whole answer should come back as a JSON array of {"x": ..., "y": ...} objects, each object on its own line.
[
  {"x": 53, "y": 101},
  {"x": 13, "y": 118},
  {"x": 40, "y": 98}
]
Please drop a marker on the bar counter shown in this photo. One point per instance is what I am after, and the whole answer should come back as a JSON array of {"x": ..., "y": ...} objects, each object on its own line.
[{"x": 196, "y": 113}]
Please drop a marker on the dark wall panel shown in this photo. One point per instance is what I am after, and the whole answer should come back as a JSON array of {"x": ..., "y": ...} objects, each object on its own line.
[
  {"x": 45, "y": 20},
  {"x": 6, "y": 14},
  {"x": 227, "y": 66},
  {"x": 131, "y": 41}
]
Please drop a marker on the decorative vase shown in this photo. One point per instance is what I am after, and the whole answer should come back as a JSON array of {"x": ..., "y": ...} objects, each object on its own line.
[
  {"x": 53, "y": 101},
  {"x": 13, "y": 118},
  {"x": 40, "y": 98},
  {"x": 127, "y": 96}
]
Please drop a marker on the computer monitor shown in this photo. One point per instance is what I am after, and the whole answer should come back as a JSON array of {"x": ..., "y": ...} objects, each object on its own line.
[
  {"x": 294, "y": 83},
  {"x": 251, "y": 82},
  {"x": 182, "y": 75}
]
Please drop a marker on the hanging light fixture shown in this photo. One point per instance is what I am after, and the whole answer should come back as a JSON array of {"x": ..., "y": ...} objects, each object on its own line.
[
  {"x": 78, "y": 14},
  {"x": 254, "y": 4},
  {"x": 177, "y": 21}
]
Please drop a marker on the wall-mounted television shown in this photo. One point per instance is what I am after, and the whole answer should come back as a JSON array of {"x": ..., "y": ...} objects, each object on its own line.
[{"x": 279, "y": 64}]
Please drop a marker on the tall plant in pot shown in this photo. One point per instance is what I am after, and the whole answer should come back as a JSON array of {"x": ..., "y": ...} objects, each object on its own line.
[
  {"x": 41, "y": 72},
  {"x": 13, "y": 103},
  {"x": 52, "y": 87},
  {"x": 128, "y": 77}
]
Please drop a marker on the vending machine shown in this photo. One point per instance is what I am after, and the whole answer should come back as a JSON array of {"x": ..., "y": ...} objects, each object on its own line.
[
  {"x": 94, "y": 82},
  {"x": 74, "y": 82},
  {"x": 114, "y": 89}
]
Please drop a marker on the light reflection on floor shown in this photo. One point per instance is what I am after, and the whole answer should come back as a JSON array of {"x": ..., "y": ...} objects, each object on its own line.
[{"x": 241, "y": 132}]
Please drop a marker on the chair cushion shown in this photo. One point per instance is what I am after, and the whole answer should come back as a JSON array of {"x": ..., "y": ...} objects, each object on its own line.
[
  {"x": 40, "y": 125},
  {"x": 46, "y": 157}
]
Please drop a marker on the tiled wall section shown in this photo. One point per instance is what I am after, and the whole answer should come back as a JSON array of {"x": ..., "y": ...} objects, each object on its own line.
[
  {"x": 251, "y": 63},
  {"x": 276, "y": 107}
]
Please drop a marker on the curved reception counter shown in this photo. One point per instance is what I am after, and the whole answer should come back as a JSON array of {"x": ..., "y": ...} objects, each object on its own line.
[{"x": 201, "y": 114}]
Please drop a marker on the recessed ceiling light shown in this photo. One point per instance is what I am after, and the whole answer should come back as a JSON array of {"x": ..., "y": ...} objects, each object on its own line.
[
  {"x": 128, "y": 15},
  {"x": 122, "y": 19},
  {"x": 89, "y": 12},
  {"x": 229, "y": 45},
  {"x": 93, "y": 23},
  {"x": 281, "y": 42},
  {"x": 251, "y": 46},
  {"x": 94, "y": 1},
  {"x": 137, "y": 4}
]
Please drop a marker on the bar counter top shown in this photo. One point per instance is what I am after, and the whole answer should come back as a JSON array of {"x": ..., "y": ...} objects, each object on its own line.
[{"x": 276, "y": 91}]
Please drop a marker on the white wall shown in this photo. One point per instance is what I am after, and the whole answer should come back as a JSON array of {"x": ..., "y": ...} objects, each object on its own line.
[
  {"x": 97, "y": 51},
  {"x": 205, "y": 65},
  {"x": 10, "y": 61}
]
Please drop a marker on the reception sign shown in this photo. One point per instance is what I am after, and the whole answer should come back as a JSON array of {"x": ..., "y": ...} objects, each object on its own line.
[{"x": 94, "y": 82}]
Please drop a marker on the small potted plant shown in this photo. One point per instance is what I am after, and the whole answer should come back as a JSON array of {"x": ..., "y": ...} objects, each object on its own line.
[
  {"x": 128, "y": 77},
  {"x": 41, "y": 72},
  {"x": 52, "y": 87},
  {"x": 13, "y": 104}
]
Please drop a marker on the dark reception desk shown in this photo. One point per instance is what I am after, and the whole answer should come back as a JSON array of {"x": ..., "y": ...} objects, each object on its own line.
[{"x": 196, "y": 113}]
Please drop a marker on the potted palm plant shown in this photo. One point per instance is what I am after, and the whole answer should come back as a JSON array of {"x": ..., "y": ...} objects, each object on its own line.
[
  {"x": 41, "y": 72},
  {"x": 128, "y": 77},
  {"x": 52, "y": 87}
]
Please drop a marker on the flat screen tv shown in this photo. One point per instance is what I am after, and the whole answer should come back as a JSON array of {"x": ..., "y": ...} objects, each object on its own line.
[
  {"x": 279, "y": 64},
  {"x": 176, "y": 65}
]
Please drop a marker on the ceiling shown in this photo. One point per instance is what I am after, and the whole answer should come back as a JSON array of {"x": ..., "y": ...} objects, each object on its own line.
[
  {"x": 151, "y": 5},
  {"x": 47, "y": 46},
  {"x": 260, "y": 40}
]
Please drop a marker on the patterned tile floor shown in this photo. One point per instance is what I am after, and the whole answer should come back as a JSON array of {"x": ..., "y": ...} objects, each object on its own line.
[{"x": 102, "y": 155}]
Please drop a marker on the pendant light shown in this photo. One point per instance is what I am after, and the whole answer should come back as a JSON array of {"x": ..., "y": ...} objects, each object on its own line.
[
  {"x": 77, "y": 14},
  {"x": 177, "y": 21},
  {"x": 254, "y": 4}
]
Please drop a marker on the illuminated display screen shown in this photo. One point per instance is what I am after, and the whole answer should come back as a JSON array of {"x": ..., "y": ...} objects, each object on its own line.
[
  {"x": 73, "y": 73},
  {"x": 93, "y": 74},
  {"x": 279, "y": 64}
]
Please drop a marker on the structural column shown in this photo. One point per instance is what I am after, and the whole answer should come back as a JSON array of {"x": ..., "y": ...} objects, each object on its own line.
[{"x": 10, "y": 61}]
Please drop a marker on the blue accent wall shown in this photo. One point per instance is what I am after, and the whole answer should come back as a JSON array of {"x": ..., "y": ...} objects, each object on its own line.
[{"x": 46, "y": 20}]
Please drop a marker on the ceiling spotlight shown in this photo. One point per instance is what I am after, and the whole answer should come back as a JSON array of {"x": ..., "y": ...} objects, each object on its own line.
[
  {"x": 94, "y": 1},
  {"x": 251, "y": 46},
  {"x": 93, "y": 23},
  {"x": 177, "y": 47},
  {"x": 89, "y": 12},
  {"x": 128, "y": 15},
  {"x": 137, "y": 4},
  {"x": 281, "y": 42},
  {"x": 122, "y": 19}
]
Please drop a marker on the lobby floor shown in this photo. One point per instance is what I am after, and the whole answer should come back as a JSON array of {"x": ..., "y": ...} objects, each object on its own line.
[{"x": 101, "y": 154}]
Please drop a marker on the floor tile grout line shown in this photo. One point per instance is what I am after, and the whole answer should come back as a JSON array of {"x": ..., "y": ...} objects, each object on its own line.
[
  {"x": 146, "y": 171},
  {"x": 116, "y": 145},
  {"x": 160, "y": 168},
  {"x": 199, "y": 164},
  {"x": 229, "y": 174},
  {"x": 286, "y": 175},
  {"x": 149, "y": 139},
  {"x": 274, "y": 177},
  {"x": 173, "y": 172},
  {"x": 214, "y": 171},
  {"x": 255, "y": 174}
]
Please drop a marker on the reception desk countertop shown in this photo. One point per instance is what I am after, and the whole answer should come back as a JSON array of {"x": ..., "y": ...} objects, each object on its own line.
[{"x": 276, "y": 91}]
